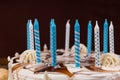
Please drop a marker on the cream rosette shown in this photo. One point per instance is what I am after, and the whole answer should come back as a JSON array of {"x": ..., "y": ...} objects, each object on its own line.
[
  {"x": 83, "y": 50},
  {"x": 110, "y": 60},
  {"x": 28, "y": 56}
]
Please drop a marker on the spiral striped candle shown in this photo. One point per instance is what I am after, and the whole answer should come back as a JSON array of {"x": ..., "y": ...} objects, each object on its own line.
[
  {"x": 105, "y": 37},
  {"x": 97, "y": 45},
  {"x": 77, "y": 43},
  {"x": 53, "y": 42},
  {"x": 89, "y": 37},
  {"x": 37, "y": 41},
  {"x": 111, "y": 37},
  {"x": 30, "y": 36}
]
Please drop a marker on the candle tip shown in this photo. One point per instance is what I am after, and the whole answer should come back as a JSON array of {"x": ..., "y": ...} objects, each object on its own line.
[
  {"x": 52, "y": 22},
  {"x": 28, "y": 20},
  {"x": 77, "y": 25},
  {"x": 105, "y": 21},
  {"x": 77, "y": 21},
  {"x": 36, "y": 24},
  {"x": 96, "y": 22},
  {"x": 35, "y": 20},
  {"x": 89, "y": 21},
  {"x": 96, "y": 25},
  {"x": 28, "y": 23},
  {"x": 111, "y": 24},
  {"x": 68, "y": 21}
]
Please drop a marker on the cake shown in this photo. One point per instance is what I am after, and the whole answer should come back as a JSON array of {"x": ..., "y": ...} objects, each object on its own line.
[
  {"x": 24, "y": 67},
  {"x": 76, "y": 63}
]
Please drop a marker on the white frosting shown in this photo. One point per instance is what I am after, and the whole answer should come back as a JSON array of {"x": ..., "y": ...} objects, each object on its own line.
[
  {"x": 25, "y": 74},
  {"x": 80, "y": 74},
  {"x": 72, "y": 68},
  {"x": 115, "y": 68}
]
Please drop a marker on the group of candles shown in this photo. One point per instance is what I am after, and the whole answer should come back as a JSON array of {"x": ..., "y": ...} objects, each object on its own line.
[
  {"x": 33, "y": 33},
  {"x": 106, "y": 34}
]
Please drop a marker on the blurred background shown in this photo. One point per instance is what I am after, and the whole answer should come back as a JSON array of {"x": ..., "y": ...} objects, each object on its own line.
[{"x": 15, "y": 13}]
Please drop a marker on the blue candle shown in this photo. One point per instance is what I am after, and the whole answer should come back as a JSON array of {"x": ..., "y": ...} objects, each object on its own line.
[
  {"x": 77, "y": 43},
  {"x": 28, "y": 35},
  {"x": 53, "y": 42},
  {"x": 89, "y": 37},
  {"x": 37, "y": 41},
  {"x": 105, "y": 37}
]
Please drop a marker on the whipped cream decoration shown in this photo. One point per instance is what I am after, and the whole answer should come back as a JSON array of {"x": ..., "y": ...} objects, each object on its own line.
[
  {"x": 67, "y": 37},
  {"x": 97, "y": 45},
  {"x": 28, "y": 56},
  {"x": 111, "y": 37},
  {"x": 77, "y": 42},
  {"x": 110, "y": 60}
]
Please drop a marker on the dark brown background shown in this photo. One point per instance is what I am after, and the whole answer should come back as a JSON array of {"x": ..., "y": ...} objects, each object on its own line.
[{"x": 15, "y": 13}]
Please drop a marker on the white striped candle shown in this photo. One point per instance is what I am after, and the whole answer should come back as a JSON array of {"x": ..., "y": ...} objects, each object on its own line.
[
  {"x": 31, "y": 36},
  {"x": 97, "y": 45},
  {"x": 111, "y": 37}
]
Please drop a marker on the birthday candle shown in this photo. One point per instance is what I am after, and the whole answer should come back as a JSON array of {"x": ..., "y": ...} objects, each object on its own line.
[
  {"x": 97, "y": 45},
  {"x": 77, "y": 43},
  {"x": 53, "y": 41},
  {"x": 67, "y": 36},
  {"x": 111, "y": 38},
  {"x": 105, "y": 37},
  {"x": 89, "y": 37},
  {"x": 37, "y": 41},
  {"x": 30, "y": 36}
]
